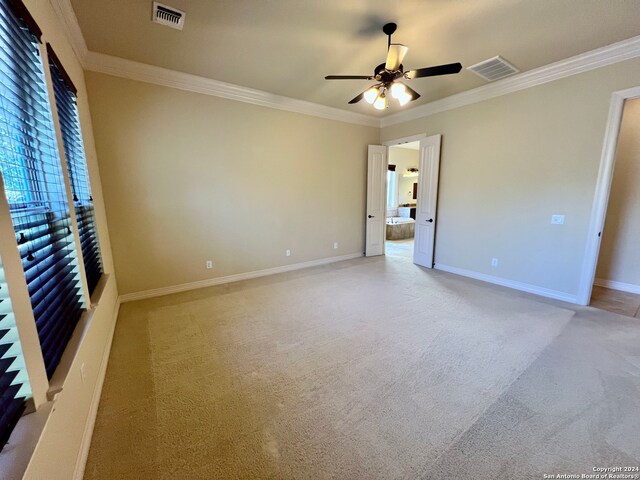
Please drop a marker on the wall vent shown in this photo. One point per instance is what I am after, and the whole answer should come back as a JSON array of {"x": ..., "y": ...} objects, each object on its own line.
[
  {"x": 493, "y": 69},
  {"x": 169, "y": 16}
]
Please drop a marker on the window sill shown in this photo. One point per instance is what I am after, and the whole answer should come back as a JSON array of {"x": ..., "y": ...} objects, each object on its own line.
[
  {"x": 97, "y": 293},
  {"x": 17, "y": 453}
]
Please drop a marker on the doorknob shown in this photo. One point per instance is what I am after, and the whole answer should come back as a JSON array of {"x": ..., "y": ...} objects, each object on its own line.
[
  {"x": 371, "y": 216},
  {"x": 430, "y": 220}
]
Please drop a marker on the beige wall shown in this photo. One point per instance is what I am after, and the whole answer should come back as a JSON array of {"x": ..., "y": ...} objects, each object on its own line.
[
  {"x": 170, "y": 160},
  {"x": 511, "y": 162},
  {"x": 619, "y": 259},
  {"x": 59, "y": 445}
]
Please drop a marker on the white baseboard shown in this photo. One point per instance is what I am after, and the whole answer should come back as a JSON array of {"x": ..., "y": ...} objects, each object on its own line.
[
  {"x": 87, "y": 435},
  {"x": 612, "y": 284},
  {"x": 524, "y": 287},
  {"x": 210, "y": 282}
]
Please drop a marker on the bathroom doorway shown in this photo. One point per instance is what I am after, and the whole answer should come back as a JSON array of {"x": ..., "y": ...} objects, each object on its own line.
[
  {"x": 617, "y": 281},
  {"x": 402, "y": 194},
  {"x": 606, "y": 271}
]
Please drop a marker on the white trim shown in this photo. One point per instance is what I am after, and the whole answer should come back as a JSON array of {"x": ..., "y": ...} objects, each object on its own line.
[
  {"x": 524, "y": 287},
  {"x": 403, "y": 140},
  {"x": 158, "y": 292},
  {"x": 620, "y": 286},
  {"x": 119, "y": 67},
  {"x": 603, "y": 188},
  {"x": 600, "y": 57},
  {"x": 83, "y": 453},
  {"x": 67, "y": 16},
  {"x": 98, "y": 62}
]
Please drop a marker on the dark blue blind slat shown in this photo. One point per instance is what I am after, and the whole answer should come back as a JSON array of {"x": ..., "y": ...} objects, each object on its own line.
[
  {"x": 7, "y": 377},
  {"x": 78, "y": 172},
  {"x": 12, "y": 407},
  {"x": 46, "y": 299},
  {"x": 17, "y": 54}
]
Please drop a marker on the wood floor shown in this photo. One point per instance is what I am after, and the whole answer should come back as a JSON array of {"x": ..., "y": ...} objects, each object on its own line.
[{"x": 616, "y": 301}]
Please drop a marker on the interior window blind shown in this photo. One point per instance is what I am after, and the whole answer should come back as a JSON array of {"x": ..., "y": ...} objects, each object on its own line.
[
  {"x": 35, "y": 190},
  {"x": 14, "y": 383},
  {"x": 65, "y": 94}
]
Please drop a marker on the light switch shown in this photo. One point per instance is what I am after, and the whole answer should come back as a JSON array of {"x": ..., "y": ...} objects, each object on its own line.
[{"x": 557, "y": 219}]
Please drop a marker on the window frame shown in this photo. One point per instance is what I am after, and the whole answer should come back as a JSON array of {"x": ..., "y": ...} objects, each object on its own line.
[
  {"x": 392, "y": 189},
  {"x": 42, "y": 388},
  {"x": 83, "y": 208}
]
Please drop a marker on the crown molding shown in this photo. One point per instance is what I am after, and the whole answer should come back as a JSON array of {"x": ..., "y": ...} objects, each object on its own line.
[
  {"x": 600, "y": 57},
  {"x": 67, "y": 16},
  {"x": 119, "y": 67},
  {"x": 98, "y": 62}
]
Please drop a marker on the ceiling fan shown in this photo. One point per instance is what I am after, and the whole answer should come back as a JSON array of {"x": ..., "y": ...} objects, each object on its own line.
[{"x": 389, "y": 73}]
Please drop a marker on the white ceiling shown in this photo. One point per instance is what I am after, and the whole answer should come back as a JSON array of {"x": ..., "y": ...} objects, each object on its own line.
[{"x": 286, "y": 47}]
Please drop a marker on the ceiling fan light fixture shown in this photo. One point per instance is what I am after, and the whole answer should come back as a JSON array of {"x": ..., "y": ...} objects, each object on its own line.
[
  {"x": 398, "y": 91},
  {"x": 381, "y": 102},
  {"x": 388, "y": 75},
  {"x": 404, "y": 99},
  {"x": 371, "y": 95}
]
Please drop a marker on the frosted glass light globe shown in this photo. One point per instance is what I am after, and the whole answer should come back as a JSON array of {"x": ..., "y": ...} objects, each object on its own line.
[
  {"x": 380, "y": 103},
  {"x": 404, "y": 99},
  {"x": 398, "y": 90},
  {"x": 371, "y": 95}
]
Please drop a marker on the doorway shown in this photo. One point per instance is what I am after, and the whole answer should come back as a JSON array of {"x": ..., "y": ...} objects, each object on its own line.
[
  {"x": 402, "y": 195},
  {"x": 603, "y": 195},
  {"x": 424, "y": 205},
  {"x": 616, "y": 287}
]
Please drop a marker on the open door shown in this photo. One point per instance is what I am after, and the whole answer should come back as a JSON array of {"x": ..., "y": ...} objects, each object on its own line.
[
  {"x": 427, "y": 201},
  {"x": 376, "y": 200}
]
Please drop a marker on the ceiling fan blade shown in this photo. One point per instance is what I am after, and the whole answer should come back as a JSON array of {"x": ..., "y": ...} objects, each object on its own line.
[
  {"x": 395, "y": 55},
  {"x": 434, "y": 71},
  {"x": 348, "y": 77},
  {"x": 414, "y": 95},
  {"x": 357, "y": 98}
]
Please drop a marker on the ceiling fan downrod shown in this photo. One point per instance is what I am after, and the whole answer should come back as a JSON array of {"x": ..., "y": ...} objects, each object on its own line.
[{"x": 389, "y": 29}]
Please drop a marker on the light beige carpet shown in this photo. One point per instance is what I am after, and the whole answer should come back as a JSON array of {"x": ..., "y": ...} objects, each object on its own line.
[{"x": 367, "y": 369}]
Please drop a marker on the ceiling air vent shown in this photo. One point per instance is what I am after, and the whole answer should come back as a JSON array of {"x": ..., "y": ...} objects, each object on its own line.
[
  {"x": 493, "y": 69},
  {"x": 169, "y": 16}
]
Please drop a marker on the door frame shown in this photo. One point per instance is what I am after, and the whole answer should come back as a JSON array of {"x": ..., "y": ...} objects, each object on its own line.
[
  {"x": 602, "y": 192},
  {"x": 400, "y": 141}
]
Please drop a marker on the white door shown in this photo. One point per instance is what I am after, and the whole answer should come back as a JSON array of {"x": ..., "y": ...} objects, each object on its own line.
[
  {"x": 376, "y": 200},
  {"x": 426, "y": 201}
]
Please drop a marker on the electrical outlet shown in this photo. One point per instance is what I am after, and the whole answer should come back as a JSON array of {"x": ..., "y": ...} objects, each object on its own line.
[
  {"x": 287, "y": 253},
  {"x": 83, "y": 374},
  {"x": 335, "y": 245},
  {"x": 557, "y": 219},
  {"x": 494, "y": 262},
  {"x": 209, "y": 264}
]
